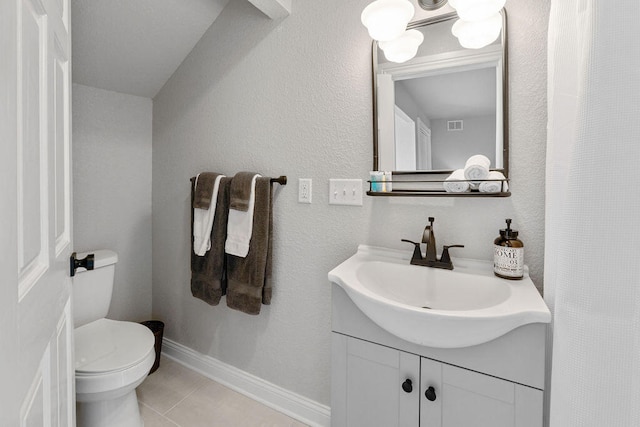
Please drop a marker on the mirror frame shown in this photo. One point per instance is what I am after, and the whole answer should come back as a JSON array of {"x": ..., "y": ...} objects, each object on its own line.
[{"x": 505, "y": 96}]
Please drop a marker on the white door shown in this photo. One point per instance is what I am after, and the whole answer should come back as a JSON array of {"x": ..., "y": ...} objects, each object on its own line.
[
  {"x": 386, "y": 139},
  {"x": 405, "y": 137},
  {"x": 36, "y": 370},
  {"x": 423, "y": 148}
]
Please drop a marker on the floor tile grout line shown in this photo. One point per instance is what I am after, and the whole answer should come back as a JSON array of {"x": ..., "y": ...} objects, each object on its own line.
[
  {"x": 204, "y": 381},
  {"x": 185, "y": 397},
  {"x": 202, "y": 378},
  {"x": 160, "y": 415}
]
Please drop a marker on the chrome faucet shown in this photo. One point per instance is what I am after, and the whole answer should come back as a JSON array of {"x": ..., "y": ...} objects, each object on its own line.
[{"x": 431, "y": 257}]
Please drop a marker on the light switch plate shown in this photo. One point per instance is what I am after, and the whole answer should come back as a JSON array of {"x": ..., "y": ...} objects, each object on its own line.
[{"x": 345, "y": 192}]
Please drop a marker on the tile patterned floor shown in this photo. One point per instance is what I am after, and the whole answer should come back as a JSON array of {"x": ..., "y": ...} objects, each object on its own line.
[{"x": 175, "y": 396}]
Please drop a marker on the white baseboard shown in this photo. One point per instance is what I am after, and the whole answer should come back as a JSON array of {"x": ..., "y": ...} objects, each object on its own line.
[{"x": 299, "y": 407}]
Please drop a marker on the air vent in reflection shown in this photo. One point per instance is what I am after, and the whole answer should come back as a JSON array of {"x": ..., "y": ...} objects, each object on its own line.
[{"x": 453, "y": 125}]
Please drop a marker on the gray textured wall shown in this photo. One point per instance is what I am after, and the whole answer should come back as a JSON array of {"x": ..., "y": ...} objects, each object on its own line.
[
  {"x": 294, "y": 97},
  {"x": 112, "y": 190},
  {"x": 451, "y": 149},
  {"x": 408, "y": 104}
]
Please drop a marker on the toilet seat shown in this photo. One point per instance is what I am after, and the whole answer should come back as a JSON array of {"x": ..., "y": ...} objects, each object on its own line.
[
  {"x": 111, "y": 356},
  {"x": 106, "y": 345}
]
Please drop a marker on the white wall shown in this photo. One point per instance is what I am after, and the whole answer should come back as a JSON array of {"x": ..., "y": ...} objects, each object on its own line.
[
  {"x": 451, "y": 149},
  {"x": 294, "y": 97},
  {"x": 112, "y": 190},
  {"x": 408, "y": 104}
]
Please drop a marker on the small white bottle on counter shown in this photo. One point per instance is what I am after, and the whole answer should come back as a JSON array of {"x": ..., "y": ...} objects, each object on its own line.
[{"x": 508, "y": 254}]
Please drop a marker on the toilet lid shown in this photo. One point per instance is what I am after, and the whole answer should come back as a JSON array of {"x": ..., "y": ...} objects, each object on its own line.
[{"x": 110, "y": 345}]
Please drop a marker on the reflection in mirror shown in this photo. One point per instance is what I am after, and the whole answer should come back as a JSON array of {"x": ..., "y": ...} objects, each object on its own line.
[{"x": 448, "y": 103}]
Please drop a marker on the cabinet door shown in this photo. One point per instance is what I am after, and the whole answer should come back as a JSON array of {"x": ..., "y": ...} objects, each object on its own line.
[
  {"x": 431, "y": 379},
  {"x": 467, "y": 398},
  {"x": 370, "y": 387}
]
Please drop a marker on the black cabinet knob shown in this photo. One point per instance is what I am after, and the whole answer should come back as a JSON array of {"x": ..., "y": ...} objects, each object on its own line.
[
  {"x": 407, "y": 386},
  {"x": 430, "y": 394}
]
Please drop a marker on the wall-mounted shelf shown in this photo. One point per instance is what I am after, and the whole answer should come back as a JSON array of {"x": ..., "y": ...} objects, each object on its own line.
[
  {"x": 408, "y": 193},
  {"x": 429, "y": 184}
]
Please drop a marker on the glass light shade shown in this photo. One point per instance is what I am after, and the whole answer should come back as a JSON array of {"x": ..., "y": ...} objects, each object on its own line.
[
  {"x": 476, "y": 10},
  {"x": 403, "y": 48},
  {"x": 387, "y": 19},
  {"x": 477, "y": 34}
]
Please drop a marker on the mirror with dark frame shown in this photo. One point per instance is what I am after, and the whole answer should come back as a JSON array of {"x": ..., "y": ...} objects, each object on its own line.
[{"x": 446, "y": 104}]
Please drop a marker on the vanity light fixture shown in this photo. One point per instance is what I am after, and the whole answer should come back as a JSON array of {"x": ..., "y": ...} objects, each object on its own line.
[
  {"x": 387, "y": 19},
  {"x": 403, "y": 48},
  {"x": 476, "y": 10},
  {"x": 480, "y": 22},
  {"x": 477, "y": 34}
]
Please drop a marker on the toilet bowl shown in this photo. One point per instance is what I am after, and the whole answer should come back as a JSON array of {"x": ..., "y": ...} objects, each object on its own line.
[{"x": 112, "y": 357}]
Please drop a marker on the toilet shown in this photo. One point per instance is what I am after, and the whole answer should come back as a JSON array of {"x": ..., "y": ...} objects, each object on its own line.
[{"x": 111, "y": 357}]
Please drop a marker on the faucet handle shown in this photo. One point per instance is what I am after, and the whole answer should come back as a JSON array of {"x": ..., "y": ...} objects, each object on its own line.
[
  {"x": 410, "y": 241},
  {"x": 417, "y": 253},
  {"x": 445, "y": 253}
]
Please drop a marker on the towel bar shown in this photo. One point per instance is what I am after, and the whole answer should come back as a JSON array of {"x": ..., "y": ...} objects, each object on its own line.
[{"x": 282, "y": 179}]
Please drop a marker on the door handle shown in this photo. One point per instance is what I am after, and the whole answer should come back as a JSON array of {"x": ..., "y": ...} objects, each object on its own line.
[{"x": 75, "y": 263}]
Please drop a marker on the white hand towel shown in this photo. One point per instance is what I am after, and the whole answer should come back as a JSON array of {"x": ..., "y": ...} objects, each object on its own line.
[
  {"x": 456, "y": 183},
  {"x": 494, "y": 186},
  {"x": 477, "y": 168},
  {"x": 240, "y": 226},
  {"x": 203, "y": 221}
]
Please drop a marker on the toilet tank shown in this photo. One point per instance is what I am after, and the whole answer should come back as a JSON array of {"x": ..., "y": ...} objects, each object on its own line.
[{"x": 92, "y": 289}]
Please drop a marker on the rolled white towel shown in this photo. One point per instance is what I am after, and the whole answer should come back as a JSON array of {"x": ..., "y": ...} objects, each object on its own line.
[
  {"x": 477, "y": 168},
  {"x": 456, "y": 182},
  {"x": 494, "y": 186}
]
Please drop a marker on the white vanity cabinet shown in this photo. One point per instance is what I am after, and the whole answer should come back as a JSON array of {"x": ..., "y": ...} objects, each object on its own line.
[
  {"x": 497, "y": 384},
  {"x": 382, "y": 386}
]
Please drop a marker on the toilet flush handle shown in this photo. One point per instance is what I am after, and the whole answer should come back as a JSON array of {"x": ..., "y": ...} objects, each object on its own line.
[{"x": 74, "y": 263}]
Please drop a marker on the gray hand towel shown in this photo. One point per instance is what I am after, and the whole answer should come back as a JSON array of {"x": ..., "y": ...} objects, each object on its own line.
[
  {"x": 204, "y": 188},
  {"x": 249, "y": 278},
  {"x": 241, "y": 191},
  {"x": 208, "y": 272}
]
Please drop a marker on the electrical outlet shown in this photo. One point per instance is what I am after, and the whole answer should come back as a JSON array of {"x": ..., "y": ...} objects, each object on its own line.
[
  {"x": 345, "y": 192},
  {"x": 304, "y": 190}
]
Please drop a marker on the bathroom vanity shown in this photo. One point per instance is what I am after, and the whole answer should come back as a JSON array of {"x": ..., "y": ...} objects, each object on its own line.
[{"x": 380, "y": 379}]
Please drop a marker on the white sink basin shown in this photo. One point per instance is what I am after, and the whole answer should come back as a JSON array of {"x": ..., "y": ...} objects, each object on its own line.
[{"x": 434, "y": 307}]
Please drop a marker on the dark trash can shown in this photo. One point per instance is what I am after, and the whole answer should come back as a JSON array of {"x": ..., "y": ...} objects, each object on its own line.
[{"x": 157, "y": 327}]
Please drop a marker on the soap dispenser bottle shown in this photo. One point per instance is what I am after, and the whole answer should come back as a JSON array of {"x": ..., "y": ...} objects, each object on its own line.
[{"x": 508, "y": 254}]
